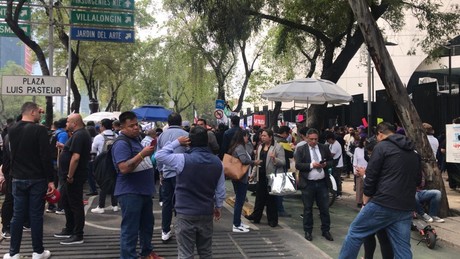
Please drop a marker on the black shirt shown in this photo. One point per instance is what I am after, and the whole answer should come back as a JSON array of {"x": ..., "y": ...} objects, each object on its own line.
[
  {"x": 80, "y": 143},
  {"x": 30, "y": 151}
]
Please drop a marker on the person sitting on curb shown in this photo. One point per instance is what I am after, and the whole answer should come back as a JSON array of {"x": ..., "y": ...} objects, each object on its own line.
[{"x": 433, "y": 198}]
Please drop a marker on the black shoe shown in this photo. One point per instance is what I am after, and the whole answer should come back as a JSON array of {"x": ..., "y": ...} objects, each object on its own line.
[
  {"x": 250, "y": 217},
  {"x": 272, "y": 224},
  {"x": 328, "y": 236},
  {"x": 73, "y": 240},
  {"x": 63, "y": 234},
  {"x": 91, "y": 194},
  {"x": 308, "y": 236}
]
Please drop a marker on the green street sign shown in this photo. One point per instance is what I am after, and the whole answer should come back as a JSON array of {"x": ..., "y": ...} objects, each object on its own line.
[
  {"x": 5, "y": 30},
  {"x": 109, "y": 4},
  {"x": 101, "y": 18},
  {"x": 23, "y": 15}
]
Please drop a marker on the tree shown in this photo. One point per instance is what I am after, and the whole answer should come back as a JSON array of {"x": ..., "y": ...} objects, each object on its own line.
[
  {"x": 398, "y": 95},
  {"x": 327, "y": 24},
  {"x": 12, "y": 19},
  {"x": 222, "y": 44}
]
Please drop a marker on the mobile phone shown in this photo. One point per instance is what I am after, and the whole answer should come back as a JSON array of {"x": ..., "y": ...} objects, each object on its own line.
[
  {"x": 322, "y": 161},
  {"x": 154, "y": 142}
]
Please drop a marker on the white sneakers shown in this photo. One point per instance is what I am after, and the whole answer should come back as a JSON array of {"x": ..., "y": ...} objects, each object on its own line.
[
  {"x": 427, "y": 218},
  {"x": 45, "y": 255},
  {"x": 165, "y": 237},
  {"x": 98, "y": 210},
  {"x": 7, "y": 256},
  {"x": 241, "y": 229},
  {"x": 438, "y": 219}
]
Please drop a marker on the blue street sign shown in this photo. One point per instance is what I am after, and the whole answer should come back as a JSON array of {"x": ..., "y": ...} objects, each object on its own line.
[
  {"x": 220, "y": 104},
  {"x": 96, "y": 34}
]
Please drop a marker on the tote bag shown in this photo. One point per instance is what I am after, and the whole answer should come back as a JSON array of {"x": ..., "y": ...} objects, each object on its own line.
[
  {"x": 233, "y": 168},
  {"x": 281, "y": 184}
]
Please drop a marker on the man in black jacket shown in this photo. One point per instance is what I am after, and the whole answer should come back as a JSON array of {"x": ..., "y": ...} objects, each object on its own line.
[
  {"x": 392, "y": 175},
  {"x": 310, "y": 160},
  {"x": 32, "y": 174}
]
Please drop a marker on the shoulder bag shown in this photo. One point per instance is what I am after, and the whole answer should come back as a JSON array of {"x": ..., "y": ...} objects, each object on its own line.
[{"x": 233, "y": 168}]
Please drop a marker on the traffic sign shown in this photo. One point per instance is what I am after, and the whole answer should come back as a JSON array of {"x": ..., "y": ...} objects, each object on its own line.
[
  {"x": 34, "y": 85},
  {"x": 220, "y": 104},
  {"x": 5, "y": 30},
  {"x": 103, "y": 18},
  {"x": 96, "y": 34},
  {"x": 23, "y": 15},
  {"x": 109, "y": 4},
  {"x": 219, "y": 114}
]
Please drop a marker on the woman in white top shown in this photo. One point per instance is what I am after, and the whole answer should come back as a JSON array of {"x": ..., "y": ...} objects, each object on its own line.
[{"x": 359, "y": 161}]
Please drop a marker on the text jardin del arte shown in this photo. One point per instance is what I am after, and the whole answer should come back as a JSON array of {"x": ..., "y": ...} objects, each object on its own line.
[{"x": 33, "y": 86}]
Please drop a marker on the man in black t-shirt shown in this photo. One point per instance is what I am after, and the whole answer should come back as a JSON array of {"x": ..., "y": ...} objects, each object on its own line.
[
  {"x": 31, "y": 171},
  {"x": 73, "y": 162}
]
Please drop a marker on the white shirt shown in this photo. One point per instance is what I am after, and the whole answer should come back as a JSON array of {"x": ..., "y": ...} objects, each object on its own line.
[
  {"x": 98, "y": 142},
  {"x": 358, "y": 159},
  {"x": 434, "y": 143},
  {"x": 336, "y": 149},
  {"x": 315, "y": 174},
  {"x": 146, "y": 141}
]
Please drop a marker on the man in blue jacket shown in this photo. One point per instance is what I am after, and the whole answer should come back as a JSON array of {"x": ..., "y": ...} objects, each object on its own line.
[
  {"x": 392, "y": 175},
  {"x": 200, "y": 191}
]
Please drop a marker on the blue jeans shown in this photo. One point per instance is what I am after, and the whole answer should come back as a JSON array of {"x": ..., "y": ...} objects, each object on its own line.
[
  {"x": 137, "y": 221},
  {"x": 316, "y": 191},
  {"x": 167, "y": 191},
  {"x": 240, "y": 189},
  {"x": 431, "y": 196},
  {"x": 191, "y": 231},
  {"x": 373, "y": 218},
  {"x": 28, "y": 201}
]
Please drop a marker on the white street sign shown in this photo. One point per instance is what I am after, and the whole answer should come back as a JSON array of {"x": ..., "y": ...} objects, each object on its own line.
[{"x": 34, "y": 85}]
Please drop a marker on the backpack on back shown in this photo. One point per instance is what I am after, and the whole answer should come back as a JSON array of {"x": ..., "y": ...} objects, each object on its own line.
[
  {"x": 104, "y": 170},
  {"x": 108, "y": 142},
  {"x": 53, "y": 136}
]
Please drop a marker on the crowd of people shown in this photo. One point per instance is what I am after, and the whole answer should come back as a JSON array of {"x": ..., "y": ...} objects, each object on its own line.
[{"x": 184, "y": 160}]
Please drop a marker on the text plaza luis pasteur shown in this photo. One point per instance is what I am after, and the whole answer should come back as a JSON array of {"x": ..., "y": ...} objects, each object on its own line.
[{"x": 33, "y": 86}]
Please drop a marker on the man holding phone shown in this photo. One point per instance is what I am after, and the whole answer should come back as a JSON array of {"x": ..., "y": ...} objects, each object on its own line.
[{"x": 311, "y": 160}]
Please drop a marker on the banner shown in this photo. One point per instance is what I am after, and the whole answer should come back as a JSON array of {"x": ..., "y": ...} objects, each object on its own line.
[
  {"x": 453, "y": 143},
  {"x": 259, "y": 120}
]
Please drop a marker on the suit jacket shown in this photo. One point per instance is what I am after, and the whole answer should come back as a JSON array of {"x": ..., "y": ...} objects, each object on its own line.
[
  {"x": 303, "y": 160},
  {"x": 270, "y": 166}
]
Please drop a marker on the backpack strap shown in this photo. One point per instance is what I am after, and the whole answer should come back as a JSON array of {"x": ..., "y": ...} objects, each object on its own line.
[{"x": 121, "y": 138}]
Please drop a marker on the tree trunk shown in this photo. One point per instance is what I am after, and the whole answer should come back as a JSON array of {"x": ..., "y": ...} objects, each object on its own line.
[
  {"x": 274, "y": 115},
  {"x": 398, "y": 95},
  {"x": 14, "y": 25},
  {"x": 315, "y": 118}
]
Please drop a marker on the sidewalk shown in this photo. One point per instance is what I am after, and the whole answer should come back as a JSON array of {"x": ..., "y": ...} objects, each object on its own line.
[{"x": 448, "y": 232}]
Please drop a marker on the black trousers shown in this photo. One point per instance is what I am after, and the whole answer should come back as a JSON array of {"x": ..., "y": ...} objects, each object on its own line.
[
  {"x": 7, "y": 206},
  {"x": 72, "y": 203},
  {"x": 385, "y": 245},
  {"x": 264, "y": 199}
]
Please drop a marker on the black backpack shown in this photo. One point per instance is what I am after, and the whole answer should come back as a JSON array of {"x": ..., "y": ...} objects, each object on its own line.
[
  {"x": 104, "y": 170},
  {"x": 53, "y": 140}
]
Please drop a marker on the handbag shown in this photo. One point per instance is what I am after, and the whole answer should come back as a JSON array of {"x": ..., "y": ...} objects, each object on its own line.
[
  {"x": 281, "y": 184},
  {"x": 233, "y": 168}
]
